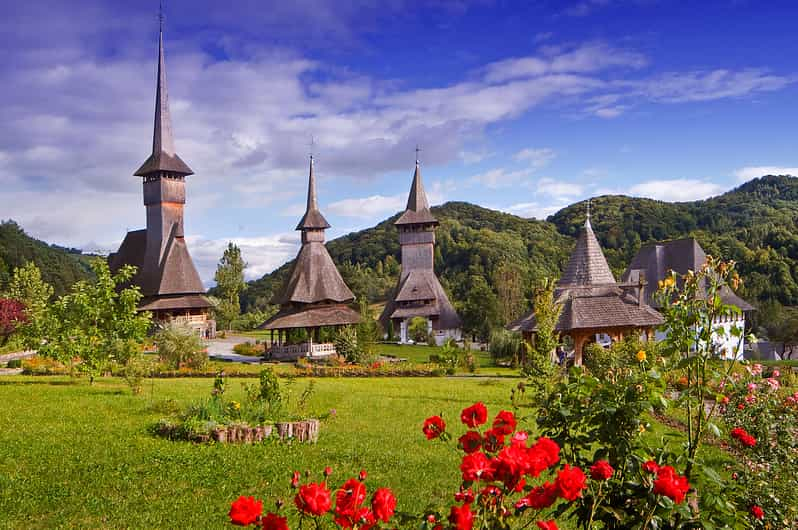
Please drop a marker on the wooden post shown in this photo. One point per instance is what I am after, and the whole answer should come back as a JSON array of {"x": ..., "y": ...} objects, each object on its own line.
[{"x": 579, "y": 342}]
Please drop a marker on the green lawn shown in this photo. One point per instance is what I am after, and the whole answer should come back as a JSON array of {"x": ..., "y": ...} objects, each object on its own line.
[{"x": 74, "y": 455}]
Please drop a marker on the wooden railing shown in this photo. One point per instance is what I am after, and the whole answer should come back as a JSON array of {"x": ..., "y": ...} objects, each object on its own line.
[{"x": 295, "y": 351}]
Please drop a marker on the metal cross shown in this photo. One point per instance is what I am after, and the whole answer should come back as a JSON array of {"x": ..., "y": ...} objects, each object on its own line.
[
  {"x": 160, "y": 14},
  {"x": 312, "y": 143},
  {"x": 418, "y": 149}
]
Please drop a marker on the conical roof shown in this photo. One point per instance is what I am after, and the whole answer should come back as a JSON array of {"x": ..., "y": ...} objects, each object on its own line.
[
  {"x": 417, "y": 211},
  {"x": 163, "y": 157},
  {"x": 313, "y": 219},
  {"x": 587, "y": 265}
]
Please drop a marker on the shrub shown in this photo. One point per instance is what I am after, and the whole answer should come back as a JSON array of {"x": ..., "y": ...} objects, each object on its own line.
[
  {"x": 179, "y": 345},
  {"x": 505, "y": 346},
  {"x": 346, "y": 344},
  {"x": 249, "y": 349},
  {"x": 418, "y": 330},
  {"x": 14, "y": 363},
  {"x": 134, "y": 372}
]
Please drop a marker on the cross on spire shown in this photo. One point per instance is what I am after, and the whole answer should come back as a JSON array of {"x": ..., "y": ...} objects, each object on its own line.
[
  {"x": 312, "y": 144},
  {"x": 418, "y": 150},
  {"x": 160, "y": 15}
]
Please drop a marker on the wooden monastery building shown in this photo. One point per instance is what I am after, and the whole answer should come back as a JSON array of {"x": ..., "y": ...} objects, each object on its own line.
[
  {"x": 165, "y": 274},
  {"x": 315, "y": 294},
  {"x": 652, "y": 263},
  {"x": 418, "y": 292},
  {"x": 593, "y": 304}
]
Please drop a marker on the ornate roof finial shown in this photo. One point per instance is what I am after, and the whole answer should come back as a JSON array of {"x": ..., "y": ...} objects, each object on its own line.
[
  {"x": 418, "y": 149},
  {"x": 587, "y": 219},
  {"x": 160, "y": 15},
  {"x": 312, "y": 144}
]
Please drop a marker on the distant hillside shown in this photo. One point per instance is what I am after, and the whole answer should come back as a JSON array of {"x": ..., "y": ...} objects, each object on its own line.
[
  {"x": 61, "y": 267},
  {"x": 754, "y": 224}
]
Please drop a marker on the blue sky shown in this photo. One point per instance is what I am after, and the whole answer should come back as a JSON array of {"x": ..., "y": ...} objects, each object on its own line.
[{"x": 519, "y": 106}]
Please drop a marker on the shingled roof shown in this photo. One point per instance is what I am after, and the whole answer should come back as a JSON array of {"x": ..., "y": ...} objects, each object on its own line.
[
  {"x": 587, "y": 265},
  {"x": 652, "y": 263},
  {"x": 596, "y": 308},
  {"x": 417, "y": 210},
  {"x": 421, "y": 286},
  {"x": 163, "y": 157},
  {"x": 310, "y": 317},
  {"x": 313, "y": 219},
  {"x": 314, "y": 278}
]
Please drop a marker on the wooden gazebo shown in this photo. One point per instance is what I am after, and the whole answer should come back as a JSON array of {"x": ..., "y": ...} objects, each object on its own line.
[
  {"x": 592, "y": 302},
  {"x": 315, "y": 295}
]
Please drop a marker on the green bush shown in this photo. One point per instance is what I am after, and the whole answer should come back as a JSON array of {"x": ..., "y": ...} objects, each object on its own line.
[
  {"x": 249, "y": 349},
  {"x": 179, "y": 345},
  {"x": 14, "y": 363},
  {"x": 505, "y": 346}
]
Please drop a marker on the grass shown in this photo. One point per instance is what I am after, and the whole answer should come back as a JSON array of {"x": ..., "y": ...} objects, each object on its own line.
[{"x": 74, "y": 455}]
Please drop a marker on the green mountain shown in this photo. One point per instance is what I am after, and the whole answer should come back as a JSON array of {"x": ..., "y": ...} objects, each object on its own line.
[
  {"x": 754, "y": 224},
  {"x": 61, "y": 267}
]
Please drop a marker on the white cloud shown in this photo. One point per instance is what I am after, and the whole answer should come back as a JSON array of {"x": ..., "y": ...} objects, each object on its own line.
[
  {"x": 368, "y": 207},
  {"x": 675, "y": 190},
  {"x": 500, "y": 177},
  {"x": 558, "y": 188},
  {"x": 685, "y": 87},
  {"x": 262, "y": 254},
  {"x": 537, "y": 158},
  {"x": 534, "y": 209},
  {"x": 744, "y": 174}
]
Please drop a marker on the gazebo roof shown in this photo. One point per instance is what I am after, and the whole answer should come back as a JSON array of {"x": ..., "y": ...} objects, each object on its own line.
[
  {"x": 587, "y": 265},
  {"x": 312, "y": 317}
]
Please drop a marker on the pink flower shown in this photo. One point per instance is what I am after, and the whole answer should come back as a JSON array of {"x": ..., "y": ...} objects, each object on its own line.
[
  {"x": 751, "y": 387},
  {"x": 776, "y": 373}
]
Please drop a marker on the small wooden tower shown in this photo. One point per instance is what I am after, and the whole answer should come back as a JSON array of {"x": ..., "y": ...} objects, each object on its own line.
[
  {"x": 419, "y": 293},
  {"x": 315, "y": 294},
  {"x": 166, "y": 274}
]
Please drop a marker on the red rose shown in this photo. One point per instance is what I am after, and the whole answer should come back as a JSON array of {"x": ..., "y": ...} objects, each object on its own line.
[
  {"x": 505, "y": 422},
  {"x": 475, "y": 415},
  {"x": 476, "y": 466},
  {"x": 383, "y": 504},
  {"x": 327, "y": 471},
  {"x": 547, "y": 525},
  {"x": 272, "y": 521},
  {"x": 470, "y": 442},
  {"x": 757, "y": 512},
  {"x": 570, "y": 482},
  {"x": 671, "y": 485},
  {"x": 601, "y": 470},
  {"x": 493, "y": 440},
  {"x": 742, "y": 435},
  {"x": 245, "y": 511},
  {"x": 549, "y": 449},
  {"x": 362, "y": 475},
  {"x": 434, "y": 426},
  {"x": 350, "y": 497},
  {"x": 651, "y": 467},
  {"x": 461, "y": 517},
  {"x": 540, "y": 497},
  {"x": 313, "y": 499},
  {"x": 295, "y": 479}
]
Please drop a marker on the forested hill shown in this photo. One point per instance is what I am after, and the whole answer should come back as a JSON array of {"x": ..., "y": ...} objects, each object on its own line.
[
  {"x": 61, "y": 267},
  {"x": 486, "y": 251}
]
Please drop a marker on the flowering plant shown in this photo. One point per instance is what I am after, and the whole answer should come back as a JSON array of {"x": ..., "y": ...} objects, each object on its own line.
[{"x": 313, "y": 503}]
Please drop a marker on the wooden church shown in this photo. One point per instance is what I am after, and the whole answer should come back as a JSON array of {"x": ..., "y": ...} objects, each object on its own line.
[
  {"x": 166, "y": 275},
  {"x": 315, "y": 295},
  {"x": 418, "y": 292}
]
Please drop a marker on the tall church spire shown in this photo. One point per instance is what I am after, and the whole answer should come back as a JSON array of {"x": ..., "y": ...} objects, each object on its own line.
[
  {"x": 587, "y": 265},
  {"x": 313, "y": 219},
  {"x": 163, "y": 158},
  {"x": 417, "y": 210}
]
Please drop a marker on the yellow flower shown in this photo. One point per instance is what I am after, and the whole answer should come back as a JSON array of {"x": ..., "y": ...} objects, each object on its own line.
[
  {"x": 669, "y": 281},
  {"x": 236, "y": 405},
  {"x": 641, "y": 356}
]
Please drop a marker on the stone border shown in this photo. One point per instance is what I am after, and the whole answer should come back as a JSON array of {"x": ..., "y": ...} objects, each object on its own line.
[{"x": 304, "y": 431}]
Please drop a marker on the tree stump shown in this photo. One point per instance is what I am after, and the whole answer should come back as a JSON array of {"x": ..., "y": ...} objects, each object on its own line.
[
  {"x": 220, "y": 434},
  {"x": 249, "y": 435},
  {"x": 285, "y": 430},
  {"x": 267, "y": 431}
]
